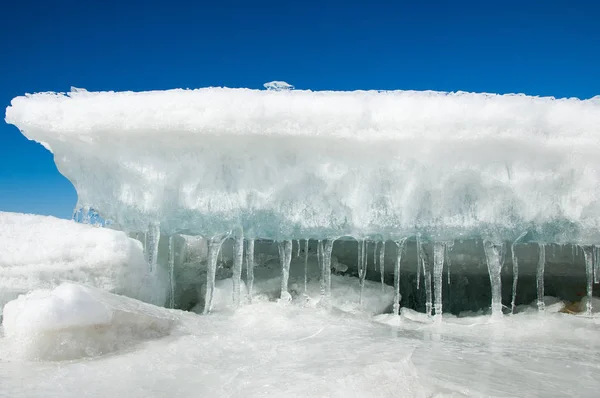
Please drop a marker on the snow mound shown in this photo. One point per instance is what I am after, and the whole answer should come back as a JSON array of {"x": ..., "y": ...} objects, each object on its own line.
[
  {"x": 295, "y": 163},
  {"x": 74, "y": 321},
  {"x": 40, "y": 252}
]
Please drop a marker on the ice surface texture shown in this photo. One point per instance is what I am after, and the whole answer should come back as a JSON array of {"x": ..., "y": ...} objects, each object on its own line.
[
  {"x": 39, "y": 252},
  {"x": 295, "y": 164},
  {"x": 74, "y": 321}
]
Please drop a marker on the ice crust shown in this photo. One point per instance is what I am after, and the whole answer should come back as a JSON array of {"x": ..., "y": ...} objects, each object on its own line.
[
  {"x": 74, "y": 321},
  {"x": 39, "y": 252},
  {"x": 293, "y": 164}
]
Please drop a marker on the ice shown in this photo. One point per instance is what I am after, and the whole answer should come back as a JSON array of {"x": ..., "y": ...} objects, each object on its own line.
[
  {"x": 596, "y": 264},
  {"x": 285, "y": 256},
  {"x": 540, "y": 276},
  {"x": 171, "y": 272},
  {"x": 382, "y": 265},
  {"x": 214, "y": 247},
  {"x": 396, "y": 304},
  {"x": 426, "y": 264},
  {"x": 278, "y": 86},
  {"x": 294, "y": 164},
  {"x": 362, "y": 267},
  {"x": 515, "y": 263},
  {"x": 238, "y": 260},
  {"x": 39, "y": 252},
  {"x": 326, "y": 271},
  {"x": 250, "y": 267},
  {"x": 419, "y": 260},
  {"x": 305, "y": 264},
  {"x": 266, "y": 349},
  {"x": 74, "y": 321},
  {"x": 494, "y": 253},
  {"x": 153, "y": 240},
  {"x": 588, "y": 252},
  {"x": 439, "y": 250}
]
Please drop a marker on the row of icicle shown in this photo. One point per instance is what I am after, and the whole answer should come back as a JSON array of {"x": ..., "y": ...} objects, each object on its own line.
[{"x": 494, "y": 253}]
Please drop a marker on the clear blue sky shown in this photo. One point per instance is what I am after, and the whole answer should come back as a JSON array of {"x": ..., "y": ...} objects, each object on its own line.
[{"x": 534, "y": 47}]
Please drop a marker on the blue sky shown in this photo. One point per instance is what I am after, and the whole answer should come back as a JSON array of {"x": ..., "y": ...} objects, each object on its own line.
[{"x": 533, "y": 47}]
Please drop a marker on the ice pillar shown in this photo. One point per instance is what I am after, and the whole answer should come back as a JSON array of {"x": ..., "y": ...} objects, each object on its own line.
[
  {"x": 494, "y": 253},
  {"x": 250, "y": 267},
  {"x": 396, "y": 305},
  {"x": 285, "y": 257}
]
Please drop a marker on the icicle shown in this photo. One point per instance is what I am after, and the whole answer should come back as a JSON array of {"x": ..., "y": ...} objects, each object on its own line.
[
  {"x": 171, "y": 272},
  {"x": 305, "y": 265},
  {"x": 515, "y": 262},
  {"x": 588, "y": 253},
  {"x": 596, "y": 264},
  {"x": 375, "y": 256},
  {"x": 285, "y": 257},
  {"x": 362, "y": 267},
  {"x": 438, "y": 268},
  {"x": 238, "y": 260},
  {"x": 298, "y": 248},
  {"x": 382, "y": 265},
  {"x": 322, "y": 270},
  {"x": 396, "y": 305},
  {"x": 153, "y": 238},
  {"x": 573, "y": 253},
  {"x": 449, "y": 246},
  {"x": 494, "y": 254},
  {"x": 419, "y": 260},
  {"x": 326, "y": 259},
  {"x": 214, "y": 246},
  {"x": 426, "y": 276},
  {"x": 250, "y": 267},
  {"x": 540, "y": 277}
]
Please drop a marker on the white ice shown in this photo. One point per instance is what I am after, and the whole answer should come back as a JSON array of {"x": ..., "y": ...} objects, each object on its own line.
[
  {"x": 292, "y": 164},
  {"x": 41, "y": 252},
  {"x": 268, "y": 349},
  {"x": 75, "y": 321}
]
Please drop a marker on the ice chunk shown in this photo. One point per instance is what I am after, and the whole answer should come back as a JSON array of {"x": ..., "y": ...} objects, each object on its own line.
[
  {"x": 74, "y": 321},
  {"x": 40, "y": 252},
  {"x": 300, "y": 163},
  {"x": 278, "y": 86}
]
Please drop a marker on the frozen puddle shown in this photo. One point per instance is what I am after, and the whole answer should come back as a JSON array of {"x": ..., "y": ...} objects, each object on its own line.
[{"x": 269, "y": 349}]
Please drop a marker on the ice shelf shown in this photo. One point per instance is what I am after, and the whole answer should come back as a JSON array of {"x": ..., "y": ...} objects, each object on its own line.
[{"x": 296, "y": 164}]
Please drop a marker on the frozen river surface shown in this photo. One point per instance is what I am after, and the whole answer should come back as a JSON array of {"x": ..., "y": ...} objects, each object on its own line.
[{"x": 268, "y": 349}]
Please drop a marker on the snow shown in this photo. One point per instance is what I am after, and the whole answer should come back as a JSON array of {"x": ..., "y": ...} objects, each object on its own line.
[
  {"x": 268, "y": 349},
  {"x": 74, "y": 321},
  {"x": 41, "y": 252},
  {"x": 294, "y": 164}
]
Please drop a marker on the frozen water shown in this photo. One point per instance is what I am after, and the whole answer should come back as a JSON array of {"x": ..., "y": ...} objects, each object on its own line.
[
  {"x": 41, "y": 252},
  {"x": 271, "y": 350},
  {"x": 293, "y": 164},
  {"x": 74, "y": 321},
  {"x": 278, "y": 86}
]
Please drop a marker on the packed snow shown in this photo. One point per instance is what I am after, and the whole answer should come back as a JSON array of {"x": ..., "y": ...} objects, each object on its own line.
[
  {"x": 295, "y": 163},
  {"x": 40, "y": 252}
]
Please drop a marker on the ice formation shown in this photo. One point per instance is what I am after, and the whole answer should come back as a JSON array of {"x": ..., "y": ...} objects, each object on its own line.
[
  {"x": 296, "y": 164},
  {"x": 325, "y": 167},
  {"x": 39, "y": 252},
  {"x": 74, "y": 321}
]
